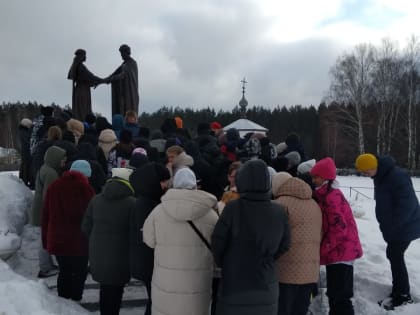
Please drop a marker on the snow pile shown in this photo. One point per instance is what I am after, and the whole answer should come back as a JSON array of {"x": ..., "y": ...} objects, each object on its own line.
[
  {"x": 19, "y": 295},
  {"x": 4, "y": 152},
  {"x": 15, "y": 200}
]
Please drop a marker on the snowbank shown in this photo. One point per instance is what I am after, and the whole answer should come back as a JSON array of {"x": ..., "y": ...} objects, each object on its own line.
[
  {"x": 15, "y": 200},
  {"x": 19, "y": 295}
]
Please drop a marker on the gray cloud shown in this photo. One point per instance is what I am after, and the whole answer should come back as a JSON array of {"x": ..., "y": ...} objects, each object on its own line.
[{"x": 190, "y": 53}]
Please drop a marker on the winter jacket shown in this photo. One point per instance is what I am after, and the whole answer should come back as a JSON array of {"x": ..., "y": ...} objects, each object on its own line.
[
  {"x": 87, "y": 152},
  {"x": 120, "y": 156},
  {"x": 107, "y": 223},
  {"x": 251, "y": 234},
  {"x": 146, "y": 184},
  {"x": 213, "y": 167},
  {"x": 65, "y": 205},
  {"x": 340, "y": 238},
  {"x": 397, "y": 207},
  {"x": 48, "y": 173},
  {"x": 300, "y": 264},
  {"x": 24, "y": 138},
  {"x": 183, "y": 266},
  {"x": 133, "y": 127},
  {"x": 35, "y": 136}
]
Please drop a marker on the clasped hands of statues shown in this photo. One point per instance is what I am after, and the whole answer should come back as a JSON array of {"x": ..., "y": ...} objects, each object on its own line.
[{"x": 106, "y": 80}]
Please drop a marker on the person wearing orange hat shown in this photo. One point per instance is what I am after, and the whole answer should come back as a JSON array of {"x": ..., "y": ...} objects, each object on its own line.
[
  {"x": 179, "y": 122},
  {"x": 398, "y": 213}
]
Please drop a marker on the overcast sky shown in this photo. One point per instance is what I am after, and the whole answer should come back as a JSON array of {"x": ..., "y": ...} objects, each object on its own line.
[{"x": 192, "y": 52}]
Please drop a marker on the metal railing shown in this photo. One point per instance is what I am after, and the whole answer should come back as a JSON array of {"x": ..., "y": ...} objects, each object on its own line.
[{"x": 355, "y": 190}]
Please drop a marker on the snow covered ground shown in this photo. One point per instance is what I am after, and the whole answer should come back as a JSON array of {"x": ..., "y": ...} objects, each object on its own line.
[{"x": 22, "y": 293}]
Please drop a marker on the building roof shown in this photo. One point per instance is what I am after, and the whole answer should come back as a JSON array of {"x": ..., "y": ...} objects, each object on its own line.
[{"x": 247, "y": 125}]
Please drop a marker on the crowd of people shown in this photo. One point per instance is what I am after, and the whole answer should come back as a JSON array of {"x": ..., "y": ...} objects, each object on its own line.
[{"x": 218, "y": 223}]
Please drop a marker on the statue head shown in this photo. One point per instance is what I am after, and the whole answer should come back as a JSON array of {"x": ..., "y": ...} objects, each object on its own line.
[
  {"x": 125, "y": 51},
  {"x": 80, "y": 55}
]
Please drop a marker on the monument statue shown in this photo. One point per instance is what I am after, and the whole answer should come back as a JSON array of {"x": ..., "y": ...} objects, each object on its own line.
[
  {"x": 83, "y": 80},
  {"x": 124, "y": 84}
]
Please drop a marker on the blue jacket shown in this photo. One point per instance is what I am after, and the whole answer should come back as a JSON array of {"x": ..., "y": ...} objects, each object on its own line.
[{"x": 397, "y": 207}]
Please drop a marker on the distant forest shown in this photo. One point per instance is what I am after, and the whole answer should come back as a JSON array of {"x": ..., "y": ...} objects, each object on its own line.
[
  {"x": 324, "y": 131},
  {"x": 373, "y": 105}
]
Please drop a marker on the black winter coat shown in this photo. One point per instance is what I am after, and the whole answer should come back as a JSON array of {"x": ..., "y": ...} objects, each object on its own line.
[
  {"x": 397, "y": 208},
  {"x": 146, "y": 183},
  {"x": 24, "y": 137},
  {"x": 251, "y": 234},
  {"x": 107, "y": 222}
]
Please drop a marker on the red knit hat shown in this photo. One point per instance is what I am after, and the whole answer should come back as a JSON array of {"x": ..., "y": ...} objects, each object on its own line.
[
  {"x": 215, "y": 125},
  {"x": 325, "y": 169}
]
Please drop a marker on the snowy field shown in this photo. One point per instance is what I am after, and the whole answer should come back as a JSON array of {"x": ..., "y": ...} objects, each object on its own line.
[{"x": 22, "y": 293}]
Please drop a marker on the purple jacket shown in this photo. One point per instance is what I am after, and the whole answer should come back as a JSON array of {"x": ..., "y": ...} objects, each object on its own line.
[{"x": 340, "y": 238}]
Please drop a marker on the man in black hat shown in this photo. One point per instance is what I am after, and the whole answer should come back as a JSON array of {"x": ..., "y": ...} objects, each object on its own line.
[{"x": 124, "y": 84}]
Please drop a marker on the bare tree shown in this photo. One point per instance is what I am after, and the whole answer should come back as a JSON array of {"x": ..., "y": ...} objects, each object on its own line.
[
  {"x": 351, "y": 84},
  {"x": 412, "y": 62},
  {"x": 387, "y": 74}
]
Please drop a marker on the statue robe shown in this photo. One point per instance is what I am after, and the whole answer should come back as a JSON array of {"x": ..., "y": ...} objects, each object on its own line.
[
  {"x": 125, "y": 88},
  {"x": 83, "y": 80}
]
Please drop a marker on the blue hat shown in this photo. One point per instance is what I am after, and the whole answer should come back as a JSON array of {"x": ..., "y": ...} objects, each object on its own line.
[{"x": 81, "y": 166}]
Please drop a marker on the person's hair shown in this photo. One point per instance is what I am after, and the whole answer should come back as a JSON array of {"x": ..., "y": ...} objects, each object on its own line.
[
  {"x": 130, "y": 114},
  {"x": 329, "y": 185},
  {"x": 175, "y": 149},
  {"x": 234, "y": 167},
  {"x": 54, "y": 133}
]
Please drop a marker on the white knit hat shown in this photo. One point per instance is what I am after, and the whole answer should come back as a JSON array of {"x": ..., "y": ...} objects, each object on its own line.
[
  {"x": 121, "y": 172},
  {"x": 305, "y": 167},
  {"x": 26, "y": 122},
  {"x": 185, "y": 179}
]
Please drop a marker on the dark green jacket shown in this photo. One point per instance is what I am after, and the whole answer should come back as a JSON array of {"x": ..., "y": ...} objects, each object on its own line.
[
  {"x": 107, "y": 223},
  {"x": 49, "y": 172}
]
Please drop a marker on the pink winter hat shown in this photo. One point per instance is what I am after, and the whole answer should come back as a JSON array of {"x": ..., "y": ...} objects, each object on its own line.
[{"x": 325, "y": 169}]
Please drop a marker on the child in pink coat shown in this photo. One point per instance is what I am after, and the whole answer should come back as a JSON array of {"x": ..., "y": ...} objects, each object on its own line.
[{"x": 340, "y": 244}]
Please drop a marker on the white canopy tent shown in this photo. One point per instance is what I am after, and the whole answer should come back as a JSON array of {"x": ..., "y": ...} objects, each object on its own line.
[{"x": 245, "y": 125}]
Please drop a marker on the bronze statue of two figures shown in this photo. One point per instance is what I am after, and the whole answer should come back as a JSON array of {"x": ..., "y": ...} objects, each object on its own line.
[{"x": 124, "y": 85}]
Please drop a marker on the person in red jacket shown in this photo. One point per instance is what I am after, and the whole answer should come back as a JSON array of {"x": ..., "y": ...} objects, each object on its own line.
[{"x": 65, "y": 204}]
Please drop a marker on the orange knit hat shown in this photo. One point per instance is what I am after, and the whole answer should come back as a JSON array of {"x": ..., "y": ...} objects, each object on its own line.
[{"x": 178, "y": 121}]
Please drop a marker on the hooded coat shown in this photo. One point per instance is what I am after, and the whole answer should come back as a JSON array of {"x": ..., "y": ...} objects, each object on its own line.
[
  {"x": 249, "y": 237},
  {"x": 340, "y": 237},
  {"x": 300, "y": 264},
  {"x": 183, "y": 266},
  {"x": 64, "y": 208},
  {"x": 397, "y": 208},
  {"x": 146, "y": 184},
  {"x": 107, "y": 223},
  {"x": 49, "y": 172}
]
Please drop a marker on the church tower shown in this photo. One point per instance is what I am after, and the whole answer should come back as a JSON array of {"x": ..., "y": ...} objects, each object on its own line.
[{"x": 243, "y": 103}]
